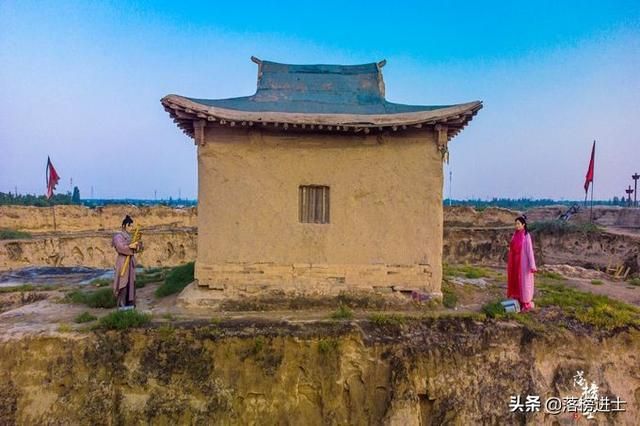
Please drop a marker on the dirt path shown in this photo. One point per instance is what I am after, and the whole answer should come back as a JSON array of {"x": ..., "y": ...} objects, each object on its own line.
[{"x": 618, "y": 290}]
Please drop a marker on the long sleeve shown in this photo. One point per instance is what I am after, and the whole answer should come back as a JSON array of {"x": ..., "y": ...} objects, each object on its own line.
[
  {"x": 121, "y": 245},
  {"x": 530, "y": 255}
]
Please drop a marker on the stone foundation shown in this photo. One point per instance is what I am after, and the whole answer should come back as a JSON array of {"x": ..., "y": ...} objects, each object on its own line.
[{"x": 315, "y": 278}]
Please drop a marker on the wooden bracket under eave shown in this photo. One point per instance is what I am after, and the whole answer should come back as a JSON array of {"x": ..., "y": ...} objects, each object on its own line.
[
  {"x": 442, "y": 133},
  {"x": 198, "y": 131}
]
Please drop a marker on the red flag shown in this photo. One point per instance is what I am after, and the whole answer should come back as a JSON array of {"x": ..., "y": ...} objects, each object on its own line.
[
  {"x": 589, "y": 178},
  {"x": 52, "y": 178}
]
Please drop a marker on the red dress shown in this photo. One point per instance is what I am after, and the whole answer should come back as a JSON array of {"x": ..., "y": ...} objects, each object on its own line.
[
  {"x": 514, "y": 265},
  {"x": 520, "y": 268}
]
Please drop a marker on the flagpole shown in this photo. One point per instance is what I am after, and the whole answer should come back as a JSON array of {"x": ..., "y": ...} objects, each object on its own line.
[
  {"x": 591, "y": 214},
  {"x": 592, "y": 182}
]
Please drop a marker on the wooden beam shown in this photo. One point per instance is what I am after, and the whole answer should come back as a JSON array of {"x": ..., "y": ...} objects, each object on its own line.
[
  {"x": 181, "y": 114},
  {"x": 442, "y": 138},
  {"x": 198, "y": 131}
]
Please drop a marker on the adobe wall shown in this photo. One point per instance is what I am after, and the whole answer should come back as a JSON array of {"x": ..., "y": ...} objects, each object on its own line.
[{"x": 386, "y": 211}]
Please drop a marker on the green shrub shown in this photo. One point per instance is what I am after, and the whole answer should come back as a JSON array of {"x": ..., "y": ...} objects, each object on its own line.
[
  {"x": 596, "y": 282},
  {"x": 84, "y": 317},
  {"x": 493, "y": 309},
  {"x": 121, "y": 320},
  {"x": 176, "y": 280},
  {"x": 258, "y": 345},
  {"x": 449, "y": 298},
  {"x": 342, "y": 313},
  {"x": 327, "y": 346},
  {"x": 635, "y": 281},
  {"x": 102, "y": 298},
  {"x": 12, "y": 234}
]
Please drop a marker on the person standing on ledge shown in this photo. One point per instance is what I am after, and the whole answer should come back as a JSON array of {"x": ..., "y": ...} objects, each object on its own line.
[
  {"x": 521, "y": 266},
  {"x": 124, "y": 288}
]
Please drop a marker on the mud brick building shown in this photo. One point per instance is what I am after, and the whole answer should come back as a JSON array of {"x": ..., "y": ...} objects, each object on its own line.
[{"x": 318, "y": 184}]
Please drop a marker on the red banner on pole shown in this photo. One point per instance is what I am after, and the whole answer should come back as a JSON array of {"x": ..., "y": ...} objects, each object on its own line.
[
  {"x": 589, "y": 177},
  {"x": 52, "y": 178}
]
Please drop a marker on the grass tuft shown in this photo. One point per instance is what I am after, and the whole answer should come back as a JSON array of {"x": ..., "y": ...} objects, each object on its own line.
[
  {"x": 102, "y": 298},
  {"x": 449, "y": 297},
  {"x": 551, "y": 275},
  {"x": 467, "y": 271},
  {"x": 148, "y": 276},
  {"x": 84, "y": 317},
  {"x": 381, "y": 319},
  {"x": 342, "y": 313},
  {"x": 21, "y": 288},
  {"x": 12, "y": 234},
  {"x": 176, "y": 280},
  {"x": 593, "y": 309},
  {"x": 258, "y": 345},
  {"x": 493, "y": 309},
  {"x": 65, "y": 328},
  {"x": 327, "y": 346},
  {"x": 122, "y": 320},
  {"x": 596, "y": 282}
]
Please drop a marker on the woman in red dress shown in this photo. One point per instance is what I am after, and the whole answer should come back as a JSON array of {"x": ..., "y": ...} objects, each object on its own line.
[{"x": 521, "y": 266}]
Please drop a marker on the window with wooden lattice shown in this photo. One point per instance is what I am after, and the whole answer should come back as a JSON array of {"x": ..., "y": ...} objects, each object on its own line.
[{"x": 313, "y": 204}]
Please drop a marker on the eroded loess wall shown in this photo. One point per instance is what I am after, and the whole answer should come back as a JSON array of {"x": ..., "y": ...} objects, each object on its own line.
[
  {"x": 162, "y": 248},
  {"x": 385, "y": 211},
  {"x": 433, "y": 372},
  {"x": 80, "y": 218}
]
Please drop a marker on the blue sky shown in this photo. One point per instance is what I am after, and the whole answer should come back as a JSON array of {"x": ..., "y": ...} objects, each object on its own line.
[{"x": 81, "y": 81}]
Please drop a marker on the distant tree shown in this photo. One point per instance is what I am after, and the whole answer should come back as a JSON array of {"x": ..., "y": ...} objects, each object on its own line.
[
  {"x": 33, "y": 200},
  {"x": 75, "y": 198}
]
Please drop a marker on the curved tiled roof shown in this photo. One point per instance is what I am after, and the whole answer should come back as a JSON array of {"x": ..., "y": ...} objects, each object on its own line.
[{"x": 317, "y": 98}]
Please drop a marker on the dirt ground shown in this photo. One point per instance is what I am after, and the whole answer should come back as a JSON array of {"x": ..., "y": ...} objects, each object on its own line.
[{"x": 47, "y": 312}]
